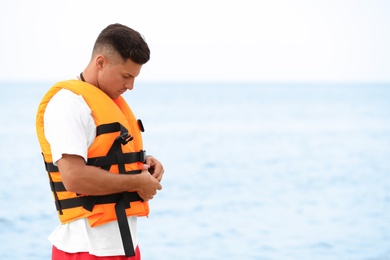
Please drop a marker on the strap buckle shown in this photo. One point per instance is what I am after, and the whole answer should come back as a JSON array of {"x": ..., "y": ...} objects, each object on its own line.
[
  {"x": 124, "y": 138},
  {"x": 142, "y": 156}
]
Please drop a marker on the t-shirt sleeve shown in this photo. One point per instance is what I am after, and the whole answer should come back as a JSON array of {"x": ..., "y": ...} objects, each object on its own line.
[{"x": 68, "y": 125}]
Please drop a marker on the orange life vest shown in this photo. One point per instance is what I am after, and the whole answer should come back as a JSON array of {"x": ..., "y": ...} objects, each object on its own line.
[{"x": 116, "y": 148}]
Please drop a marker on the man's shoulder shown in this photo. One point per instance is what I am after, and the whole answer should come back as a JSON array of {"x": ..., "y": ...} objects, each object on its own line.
[
  {"x": 65, "y": 99},
  {"x": 65, "y": 93}
]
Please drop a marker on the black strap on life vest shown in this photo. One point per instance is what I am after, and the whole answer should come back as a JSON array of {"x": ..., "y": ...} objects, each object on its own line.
[{"x": 115, "y": 156}]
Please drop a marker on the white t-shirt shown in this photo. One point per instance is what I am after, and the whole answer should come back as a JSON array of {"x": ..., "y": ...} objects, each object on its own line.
[{"x": 70, "y": 129}]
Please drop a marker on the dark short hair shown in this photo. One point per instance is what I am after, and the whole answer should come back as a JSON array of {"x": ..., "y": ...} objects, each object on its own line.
[{"x": 126, "y": 42}]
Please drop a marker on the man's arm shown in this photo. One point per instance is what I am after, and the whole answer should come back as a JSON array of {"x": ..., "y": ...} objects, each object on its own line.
[{"x": 90, "y": 180}]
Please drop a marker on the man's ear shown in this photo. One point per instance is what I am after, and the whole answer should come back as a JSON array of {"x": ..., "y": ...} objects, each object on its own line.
[{"x": 100, "y": 61}]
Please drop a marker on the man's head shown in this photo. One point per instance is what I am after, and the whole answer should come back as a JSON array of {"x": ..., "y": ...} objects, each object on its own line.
[
  {"x": 118, "y": 55},
  {"x": 117, "y": 39}
]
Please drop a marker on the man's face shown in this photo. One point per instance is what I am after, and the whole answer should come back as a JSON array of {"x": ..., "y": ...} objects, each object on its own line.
[{"x": 114, "y": 79}]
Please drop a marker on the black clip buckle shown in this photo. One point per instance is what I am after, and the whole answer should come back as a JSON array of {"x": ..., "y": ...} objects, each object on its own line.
[
  {"x": 142, "y": 156},
  {"x": 124, "y": 138}
]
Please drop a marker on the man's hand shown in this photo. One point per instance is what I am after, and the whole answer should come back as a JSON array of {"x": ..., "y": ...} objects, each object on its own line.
[
  {"x": 156, "y": 168},
  {"x": 148, "y": 184}
]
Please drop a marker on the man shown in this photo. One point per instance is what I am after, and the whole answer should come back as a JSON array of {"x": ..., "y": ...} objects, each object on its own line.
[{"x": 91, "y": 143}]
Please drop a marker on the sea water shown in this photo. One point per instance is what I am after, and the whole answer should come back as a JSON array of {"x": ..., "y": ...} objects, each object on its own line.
[{"x": 252, "y": 171}]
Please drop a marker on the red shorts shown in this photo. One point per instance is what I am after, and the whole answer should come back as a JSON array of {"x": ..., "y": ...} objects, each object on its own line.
[{"x": 61, "y": 255}]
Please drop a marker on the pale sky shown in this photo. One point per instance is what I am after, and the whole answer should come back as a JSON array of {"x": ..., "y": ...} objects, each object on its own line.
[{"x": 221, "y": 40}]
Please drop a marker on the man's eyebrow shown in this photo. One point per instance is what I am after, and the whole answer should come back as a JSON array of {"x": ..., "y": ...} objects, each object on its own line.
[{"x": 127, "y": 74}]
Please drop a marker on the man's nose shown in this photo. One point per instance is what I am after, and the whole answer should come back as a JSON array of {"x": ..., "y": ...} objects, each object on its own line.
[{"x": 129, "y": 85}]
